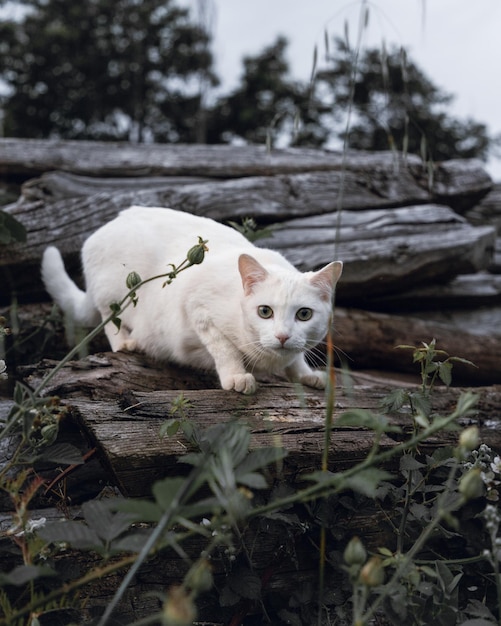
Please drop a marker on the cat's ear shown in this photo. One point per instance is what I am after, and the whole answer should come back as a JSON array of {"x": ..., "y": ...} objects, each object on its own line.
[
  {"x": 326, "y": 278},
  {"x": 251, "y": 271}
]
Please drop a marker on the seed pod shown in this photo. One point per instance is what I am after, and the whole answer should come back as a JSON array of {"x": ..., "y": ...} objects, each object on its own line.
[
  {"x": 372, "y": 573},
  {"x": 354, "y": 553},
  {"x": 132, "y": 280},
  {"x": 179, "y": 609},
  {"x": 471, "y": 484},
  {"x": 196, "y": 254},
  {"x": 469, "y": 438}
]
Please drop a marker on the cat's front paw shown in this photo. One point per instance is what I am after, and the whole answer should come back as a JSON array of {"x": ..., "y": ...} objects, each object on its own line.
[
  {"x": 316, "y": 379},
  {"x": 243, "y": 383}
]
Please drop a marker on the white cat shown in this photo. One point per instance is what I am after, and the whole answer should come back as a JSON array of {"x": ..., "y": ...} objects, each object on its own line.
[{"x": 243, "y": 310}]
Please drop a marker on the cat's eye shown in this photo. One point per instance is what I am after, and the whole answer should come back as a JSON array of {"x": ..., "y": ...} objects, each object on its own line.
[
  {"x": 304, "y": 314},
  {"x": 265, "y": 311}
]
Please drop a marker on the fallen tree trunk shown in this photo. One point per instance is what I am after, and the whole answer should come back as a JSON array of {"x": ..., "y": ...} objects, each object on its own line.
[
  {"x": 363, "y": 340},
  {"x": 368, "y": 340},
  {"x": 129, "y": 440},
  {"x": 384, "y": 250},
  {"x": 29, "y": 157}
]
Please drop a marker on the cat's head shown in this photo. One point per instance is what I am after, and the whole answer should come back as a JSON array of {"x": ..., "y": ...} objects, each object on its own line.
[{"x": 286, "y": 312}]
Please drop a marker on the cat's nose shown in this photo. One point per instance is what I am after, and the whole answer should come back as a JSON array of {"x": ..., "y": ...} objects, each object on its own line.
[{"x": 282, "y": 338}]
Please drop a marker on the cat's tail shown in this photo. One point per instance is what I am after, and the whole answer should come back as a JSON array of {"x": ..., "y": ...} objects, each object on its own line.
[{"x": 75, "y": 303}]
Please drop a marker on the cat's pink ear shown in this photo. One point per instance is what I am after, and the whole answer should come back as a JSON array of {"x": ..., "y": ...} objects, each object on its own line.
[
  {"x": 326, "y": 278},
  {"x": 251, "y": 272}
]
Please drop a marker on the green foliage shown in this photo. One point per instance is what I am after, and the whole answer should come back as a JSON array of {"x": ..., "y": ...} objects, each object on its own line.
[
  {"x": 104, "y": 69},
  {"x": 11, "y": 230},
  {"x": 249, "y": 229},
  {"x": 396, "y": 106},
  {"x": 232, "y": 487}
]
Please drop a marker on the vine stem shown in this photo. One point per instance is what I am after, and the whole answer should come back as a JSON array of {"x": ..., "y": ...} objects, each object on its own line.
[
  {"x": 184, "y": 492},
  {"x": 335, "y": 482},
  {"x": 126, "y": 301},
  {"x": 416, "y": 547}
]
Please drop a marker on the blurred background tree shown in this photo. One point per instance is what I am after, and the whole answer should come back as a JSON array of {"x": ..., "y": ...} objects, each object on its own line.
[
  {"x": 142, "y": 70},
  {"x": 395, "y": 105},
  {"x": 268, "y": 105},
  {"x": 104, "y": 69}
]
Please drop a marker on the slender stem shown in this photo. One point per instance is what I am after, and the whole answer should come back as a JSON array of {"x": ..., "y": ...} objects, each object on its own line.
[
  {"x": 336, "y": 483},
  {"x": 416, "y": 547},
  {"x": 164, "y": 521},
  {"x": 126, "y": 301},
  {"x": 67, "y": 588}
]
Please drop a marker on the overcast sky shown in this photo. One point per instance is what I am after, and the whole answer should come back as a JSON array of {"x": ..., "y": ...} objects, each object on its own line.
[{"x": 457, "y": 43}]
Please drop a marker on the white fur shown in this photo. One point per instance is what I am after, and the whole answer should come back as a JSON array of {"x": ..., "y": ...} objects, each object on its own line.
[{"x": 208, "y": 316}]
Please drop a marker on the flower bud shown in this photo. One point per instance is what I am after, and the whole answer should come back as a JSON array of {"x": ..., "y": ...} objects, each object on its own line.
[
  {"x": 372, "y": 573},
  {"x": 133, "y": 279},
  {"x": 469, "y": 438},
  {"x": 196, "y": 254},
  {"x": 354, "y": 553},
  {"x": 471, "y": 484},
  {"x": 199, "y": 578},
  {"x": 179, "y": 609},
  {"x": 49, "y": 433}
]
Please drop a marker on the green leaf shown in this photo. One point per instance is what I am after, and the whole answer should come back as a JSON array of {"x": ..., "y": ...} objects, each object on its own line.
[
  {"x": 253, "y": 480},
  {"x": 11, "y": 230},
  {"x": 77, "y": 534},
  {"x": 260, "y": 458},
  {"x": 367, "y": 481},
  {"x": 63, "y": 453},
  {"x": 166, "y": 490},
  {"x": 245, "y": 583},
  {"x": 25, "y": 573},
  {"x": 409, "y": 463},
  {"x": 395, "y": 400},
  {"x": 169, "y": 428},
  {"x": 131, "y": 543},
  {"x": 445, "y": 372},
  {"x": 142, "y": 510},
  {"x": 107, "y": 525}
]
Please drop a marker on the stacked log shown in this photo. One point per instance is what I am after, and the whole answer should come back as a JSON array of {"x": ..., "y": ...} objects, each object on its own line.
[{"x": 417, "y": 242}]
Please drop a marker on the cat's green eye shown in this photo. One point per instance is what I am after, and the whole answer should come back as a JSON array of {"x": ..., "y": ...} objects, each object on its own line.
[
  {"x": 265, "y": 311},
  {"x": 304, "y": 314}
]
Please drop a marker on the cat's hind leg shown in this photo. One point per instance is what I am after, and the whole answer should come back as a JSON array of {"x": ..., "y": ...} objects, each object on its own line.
[{"x": 120, "y": 338}]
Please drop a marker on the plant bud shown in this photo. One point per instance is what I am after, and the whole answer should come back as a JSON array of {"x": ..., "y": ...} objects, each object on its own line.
[
  {"x": 199, "y": 578},
  {"x": 196, "y": 254},
  {"x": 372, "y": 573},
  {"x": 132, "y": 280},
  {"x": 469, "y": 438},
  {"x": 179, "y": 609},
  {"x": 471, "y": 484},
  {"x": 49, "y": 433},
  {"x": 354, "y": 553}
]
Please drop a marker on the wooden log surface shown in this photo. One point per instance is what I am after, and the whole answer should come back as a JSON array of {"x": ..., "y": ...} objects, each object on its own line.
[
  {"x": 104, "y": 159},
  {"x": 383, "y": 249},
  {"x": 127, "y": 433},
  {"x": 363, "y": 340},
  {"x": 120, "y": 400}
]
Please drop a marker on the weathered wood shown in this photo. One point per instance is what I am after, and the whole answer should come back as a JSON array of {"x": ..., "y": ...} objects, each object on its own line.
[
  {"x": 364, "y": 340},
  {"x": 386, "y": 251},
  {"x": 33, "y": 157},
  {"x": 383, "y": 250},
  {"x": 368, "y": 340},
  {"x": 128, "y": 433},
  {"x": 57, "y": 185},
  {"x": 467, "y": 291},
  {"x": 93, "y": 158}
]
